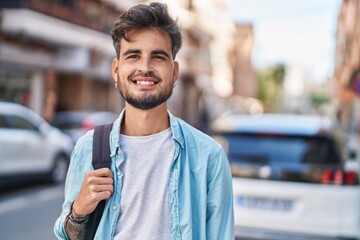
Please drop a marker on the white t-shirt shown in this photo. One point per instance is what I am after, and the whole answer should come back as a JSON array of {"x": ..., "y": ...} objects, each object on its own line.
[{"x": 144, "y": 203}]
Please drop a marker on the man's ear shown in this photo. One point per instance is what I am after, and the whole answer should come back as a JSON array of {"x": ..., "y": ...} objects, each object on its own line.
[{"x": 115, "y": 69}]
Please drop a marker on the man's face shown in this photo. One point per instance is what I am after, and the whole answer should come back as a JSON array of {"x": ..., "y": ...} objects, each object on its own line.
[{"x": 145, "y": 71}]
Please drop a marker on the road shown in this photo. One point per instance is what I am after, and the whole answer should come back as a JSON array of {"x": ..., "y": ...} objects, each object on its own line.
[{"x": 30, "y": 212}]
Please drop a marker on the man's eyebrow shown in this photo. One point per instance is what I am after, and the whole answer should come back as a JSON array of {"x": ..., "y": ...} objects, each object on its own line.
[
  {"x": 131, "y": 51},
  {"x": 161, "y": 52},
  {"x": 154, "y": 52}
]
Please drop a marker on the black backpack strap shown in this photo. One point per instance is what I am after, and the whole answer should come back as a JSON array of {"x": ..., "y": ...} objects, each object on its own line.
[
  {"x": 101, "y": 146},
  {"x": 100, "y": 159}
]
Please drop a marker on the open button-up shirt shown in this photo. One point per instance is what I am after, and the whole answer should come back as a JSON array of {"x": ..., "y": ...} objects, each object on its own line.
[{"x": 200, "y": 186}]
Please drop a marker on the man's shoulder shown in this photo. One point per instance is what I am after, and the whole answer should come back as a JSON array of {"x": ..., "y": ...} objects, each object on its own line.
[
  {"x": 82, "y": 154},
  {"x": 84, "y": 143},
  {"x": 191, "y": 133}
]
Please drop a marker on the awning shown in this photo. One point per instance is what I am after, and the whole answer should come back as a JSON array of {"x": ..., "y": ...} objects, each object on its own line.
[{"x": 41, "y": 26}]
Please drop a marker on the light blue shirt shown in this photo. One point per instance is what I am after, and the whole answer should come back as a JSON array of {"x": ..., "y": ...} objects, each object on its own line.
[{"x": 200, "y": 186}]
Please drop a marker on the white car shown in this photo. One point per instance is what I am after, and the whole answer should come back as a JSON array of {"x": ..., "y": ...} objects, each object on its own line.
[
  {"x": 291, "y": 178},
  {"x": 30, "y": 147}
]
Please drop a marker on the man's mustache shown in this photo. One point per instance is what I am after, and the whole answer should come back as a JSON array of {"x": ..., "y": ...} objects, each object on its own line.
[{"x": 147, "y": 74}]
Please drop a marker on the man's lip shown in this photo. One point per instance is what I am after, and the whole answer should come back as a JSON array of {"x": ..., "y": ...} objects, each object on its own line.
[
  {"x": 145, "y": 83},
  {"x": 149, "y": 80}
]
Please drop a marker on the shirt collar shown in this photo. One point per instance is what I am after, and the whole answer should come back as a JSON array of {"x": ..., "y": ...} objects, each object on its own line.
[
  {"x": 176, "y": 130},
  {"x": 115, "y": 136}
]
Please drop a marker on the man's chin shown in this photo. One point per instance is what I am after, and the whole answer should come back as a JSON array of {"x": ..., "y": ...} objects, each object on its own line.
[
  {"x": 146, "y": 105},
  {"x": 146, "y": 102}
]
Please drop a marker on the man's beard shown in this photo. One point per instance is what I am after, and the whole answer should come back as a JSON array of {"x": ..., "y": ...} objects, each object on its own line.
[{"x": 145, "y": 100}]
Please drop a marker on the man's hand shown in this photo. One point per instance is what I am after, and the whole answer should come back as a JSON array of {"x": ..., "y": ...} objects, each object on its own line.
[{"x": 97, "y": 186}]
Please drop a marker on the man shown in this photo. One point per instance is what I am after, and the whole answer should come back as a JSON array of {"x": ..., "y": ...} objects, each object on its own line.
[{"x": 167, "y": 180}]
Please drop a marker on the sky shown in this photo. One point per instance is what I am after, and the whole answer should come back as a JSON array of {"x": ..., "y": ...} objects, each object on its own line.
[{"x": 300, "y": 34}]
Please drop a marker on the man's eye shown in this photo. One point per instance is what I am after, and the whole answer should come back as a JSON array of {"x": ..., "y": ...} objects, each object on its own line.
[
  {"x": 132, "y": 56},
  {"x": 159, "y": 57}
]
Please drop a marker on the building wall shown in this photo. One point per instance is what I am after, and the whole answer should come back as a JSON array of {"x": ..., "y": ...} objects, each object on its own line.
[
  {"x": 66, "y": 45},
  {"x": 347, "y": 64},
  {"x": 245, "y": 83},
  {"x": 206, "y": 74},
  {"x": 57, "y": 55}
]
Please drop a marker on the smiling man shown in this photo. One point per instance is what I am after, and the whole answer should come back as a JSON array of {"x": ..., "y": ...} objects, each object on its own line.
[
  {"x": 145, "y": 71},
  {"x": 167, "y": 180}
]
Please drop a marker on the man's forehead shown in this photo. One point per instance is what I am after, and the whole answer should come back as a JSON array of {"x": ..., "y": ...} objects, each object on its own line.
[{"x": 157, "y": 37}]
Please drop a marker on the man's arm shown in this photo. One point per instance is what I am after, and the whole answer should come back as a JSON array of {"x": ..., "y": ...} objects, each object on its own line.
[
  {"x": 97, "y": 185},
  {"x": 82, "y": 187},
  {"x": 80, "y": 163},
  {"x": 220, "y": 216},
  {"x": 75, "y": 226}
]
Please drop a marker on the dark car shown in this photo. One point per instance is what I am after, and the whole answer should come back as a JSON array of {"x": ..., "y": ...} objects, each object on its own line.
[
  {"x": 291, "y": 177},
  {"x": 77, "y": 123}
]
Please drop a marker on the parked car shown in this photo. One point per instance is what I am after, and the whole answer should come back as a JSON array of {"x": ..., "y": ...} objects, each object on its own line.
[
  {"x": 30, "y": 147},
  {"x": 77, "y": 123},
  {"x": 291, "y": 178}
]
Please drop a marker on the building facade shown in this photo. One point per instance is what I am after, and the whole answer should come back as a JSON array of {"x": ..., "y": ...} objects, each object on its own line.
[
  {"x": 56, "y": 55},
  {"x": 347, "y": 67},
  {"x": 245, "y": 83}
]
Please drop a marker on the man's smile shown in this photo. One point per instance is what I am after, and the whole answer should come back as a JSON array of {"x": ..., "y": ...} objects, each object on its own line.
[
  {"x": 142, "y": 81},
  {"x": 145, "y": 83}
]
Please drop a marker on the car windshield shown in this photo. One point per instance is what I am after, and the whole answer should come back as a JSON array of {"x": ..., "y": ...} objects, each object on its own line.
[
  {"x": 281, "y": 157},
  {"x": 280, "y": 149}
]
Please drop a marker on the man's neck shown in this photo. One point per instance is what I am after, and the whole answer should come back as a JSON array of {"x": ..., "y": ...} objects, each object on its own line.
[{"x": 139, "y": 122}]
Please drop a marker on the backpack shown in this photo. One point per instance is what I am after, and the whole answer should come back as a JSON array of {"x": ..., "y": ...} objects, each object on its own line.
[{"x": 100, "y": 158}]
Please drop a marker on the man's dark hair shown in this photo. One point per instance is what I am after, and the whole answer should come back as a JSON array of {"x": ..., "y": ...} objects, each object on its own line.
[{"x": 155, "y": 15}]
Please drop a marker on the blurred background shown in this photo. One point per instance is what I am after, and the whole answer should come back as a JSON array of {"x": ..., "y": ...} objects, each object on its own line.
[{"x": 239, "y": 57}]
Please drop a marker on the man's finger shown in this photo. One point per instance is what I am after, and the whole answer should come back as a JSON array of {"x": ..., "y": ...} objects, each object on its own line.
[
  {"x": 103, "y": 188},
  {"x": 104, "y": 195},
  {"x": 103, "y": 172},
  {"x": 104, "y": 180}
]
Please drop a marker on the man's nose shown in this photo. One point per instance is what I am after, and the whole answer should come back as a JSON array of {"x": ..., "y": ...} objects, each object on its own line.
[{"x": 144, "y": 65}]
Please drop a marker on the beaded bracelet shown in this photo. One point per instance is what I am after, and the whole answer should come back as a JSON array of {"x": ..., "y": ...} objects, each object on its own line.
[{"x": 76, "y": 220}]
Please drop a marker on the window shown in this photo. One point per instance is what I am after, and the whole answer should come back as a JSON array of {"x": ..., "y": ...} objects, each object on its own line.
[
  {"x": 281, "y": 150},
  {"x": 15, "y": 86},
  {"x": 21, "y": 123},
  {"x": 281, "y": 157},
  {"x": 3, "y": 123}
]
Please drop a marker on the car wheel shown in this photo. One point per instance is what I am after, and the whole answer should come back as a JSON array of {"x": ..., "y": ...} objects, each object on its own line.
[{"x": 59, "y": 171}]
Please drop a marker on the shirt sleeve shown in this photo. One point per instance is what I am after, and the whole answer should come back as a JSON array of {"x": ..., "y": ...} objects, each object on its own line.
[
  {"x": 219, "y": 214},
  {"x": 80, "y": 163}
]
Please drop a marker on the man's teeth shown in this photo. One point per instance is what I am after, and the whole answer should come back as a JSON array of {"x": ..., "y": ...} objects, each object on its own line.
[{"x": 144, "y": 82}]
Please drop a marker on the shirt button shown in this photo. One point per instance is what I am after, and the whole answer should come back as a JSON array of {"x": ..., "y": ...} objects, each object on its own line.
[
  {"x": 114, "y": 207},
  {"x": 118, "y": 173}
]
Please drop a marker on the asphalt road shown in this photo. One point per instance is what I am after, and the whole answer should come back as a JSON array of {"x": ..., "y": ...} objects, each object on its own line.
[{"x": 29, "y": 212}]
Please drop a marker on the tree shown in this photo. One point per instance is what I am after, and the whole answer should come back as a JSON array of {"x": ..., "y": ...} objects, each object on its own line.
[{"x": 270, "y": 85}]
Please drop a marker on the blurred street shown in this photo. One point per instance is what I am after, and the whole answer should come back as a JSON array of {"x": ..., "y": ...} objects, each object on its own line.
[
  {"x": 30, "y": 212},
  {"x": 275, "y": 82}
]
